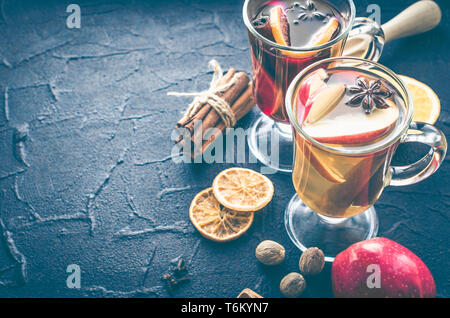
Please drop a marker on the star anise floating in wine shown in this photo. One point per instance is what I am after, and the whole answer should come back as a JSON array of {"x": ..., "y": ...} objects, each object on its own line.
[
  {"x": 369, "y": 95},
  {"x": 309, "y": 11}
]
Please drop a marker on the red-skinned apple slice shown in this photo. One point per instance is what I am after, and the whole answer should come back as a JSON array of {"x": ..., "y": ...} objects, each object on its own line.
[
  {"x": 362, "y": 198},
  {"x": 309, "y": 89},
  {"x": 313, "y": 156},
  {"x": 312, "y": 85},
  {"x": 353, "y": 126},
  {"x": 375, "y": 175}
]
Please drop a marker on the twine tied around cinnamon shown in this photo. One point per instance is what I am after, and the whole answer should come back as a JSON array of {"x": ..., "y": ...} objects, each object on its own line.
[{"x": 210, "y": 97}]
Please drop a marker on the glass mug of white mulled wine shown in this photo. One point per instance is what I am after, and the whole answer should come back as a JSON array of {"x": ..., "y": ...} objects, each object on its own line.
[
  {"x": 285, "y": 37},
  {"x": 348, "y": 117}
]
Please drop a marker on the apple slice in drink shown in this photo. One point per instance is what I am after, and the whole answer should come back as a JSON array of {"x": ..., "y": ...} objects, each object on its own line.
[
  {"x": 312, "y": 85},
  {"x": 325, "y": 102},
  {"x": 307, "y": 92},
  {"x": 318, "y": 161},
  {"x": 339, "y": 197},
  {"x": 315, "y": 90},
  {"x": 353, "y": 127},
  {"x": 375, "y": 181}
]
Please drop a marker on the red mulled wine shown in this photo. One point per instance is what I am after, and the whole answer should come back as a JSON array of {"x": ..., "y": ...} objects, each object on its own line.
[{"x": 291, "y": 30}]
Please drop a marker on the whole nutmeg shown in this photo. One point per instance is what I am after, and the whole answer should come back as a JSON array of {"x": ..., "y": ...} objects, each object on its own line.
[
  {"x": 270, "y": 252},
  {"x": 312, "y": 261},
  {"x": 292, "y": 285}
]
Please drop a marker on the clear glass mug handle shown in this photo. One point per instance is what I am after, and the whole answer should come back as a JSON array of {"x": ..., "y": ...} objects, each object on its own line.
[
  {"x": 425, "y": 167},
  {"x": 365, "y": 40}
]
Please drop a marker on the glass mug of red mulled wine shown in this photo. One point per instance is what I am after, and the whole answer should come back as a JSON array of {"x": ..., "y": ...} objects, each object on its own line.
[
  {"x": 286, "y": 36},
  {"x": 349, "y": 115}
]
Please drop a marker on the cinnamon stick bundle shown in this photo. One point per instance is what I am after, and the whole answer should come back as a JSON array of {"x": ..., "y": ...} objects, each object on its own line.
[
  {"x": 240, "y": 108},
  {"x": 187, "y": 122},
  {"x": 240, "y": 98}
]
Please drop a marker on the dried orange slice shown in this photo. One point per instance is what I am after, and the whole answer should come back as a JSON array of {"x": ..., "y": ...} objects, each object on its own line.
[
  {"x": 216, "y": 222},
  {"x": 242, "y": 189},
  {"x": 427, "y": 106}
]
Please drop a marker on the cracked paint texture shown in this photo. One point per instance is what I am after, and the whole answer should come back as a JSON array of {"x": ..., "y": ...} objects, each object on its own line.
[{"x": 85, "y": 170}]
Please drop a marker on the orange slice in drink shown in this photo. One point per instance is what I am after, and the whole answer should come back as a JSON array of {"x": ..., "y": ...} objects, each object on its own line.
[
  {"x": 280, "y": 31},
  {"x": 427, "y": 106},
  {"x": 280, "y": 26},
  {"x": 325, "y": 34},
  {"x": 216, "y": 222},
  {"x": 242, "y": 189}
]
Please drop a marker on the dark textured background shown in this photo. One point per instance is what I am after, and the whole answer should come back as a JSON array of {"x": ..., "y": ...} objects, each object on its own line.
[{"x": 85, "y": 173}]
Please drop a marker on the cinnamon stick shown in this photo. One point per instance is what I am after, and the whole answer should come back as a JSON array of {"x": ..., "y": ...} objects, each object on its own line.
[
  {"x": 248, "y": 293},
  {"x": 230, "y": 97},
  {"x": 240, "y": 108},
  {"x": 246, "y": 98},
  {"x": 183, "y": 122},
  {"x": 238, "y": 96}
]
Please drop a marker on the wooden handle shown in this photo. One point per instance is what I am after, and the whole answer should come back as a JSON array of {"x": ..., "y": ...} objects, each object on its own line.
[{"x": 420, "y": 17}]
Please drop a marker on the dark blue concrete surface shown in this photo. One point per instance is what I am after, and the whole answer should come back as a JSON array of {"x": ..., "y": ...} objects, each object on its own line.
[{"x": 85, "y": 174}]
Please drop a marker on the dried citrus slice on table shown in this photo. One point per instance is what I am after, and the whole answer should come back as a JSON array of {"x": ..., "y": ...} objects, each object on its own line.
[
  {"x": 242, "y": 189},
  {"x": 427, "y": 106},
  {"x": 216, "y": 222}
]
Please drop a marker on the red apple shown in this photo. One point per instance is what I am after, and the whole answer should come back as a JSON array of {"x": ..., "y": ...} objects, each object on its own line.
[
  {"x": 401, "y": 272},
  {"x": 344, "y": 126}
]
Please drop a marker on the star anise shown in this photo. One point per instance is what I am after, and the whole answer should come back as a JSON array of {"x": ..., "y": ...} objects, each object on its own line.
[
  {"x": 309, "y": 12},
  {"x": 368, "y": 95}
]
